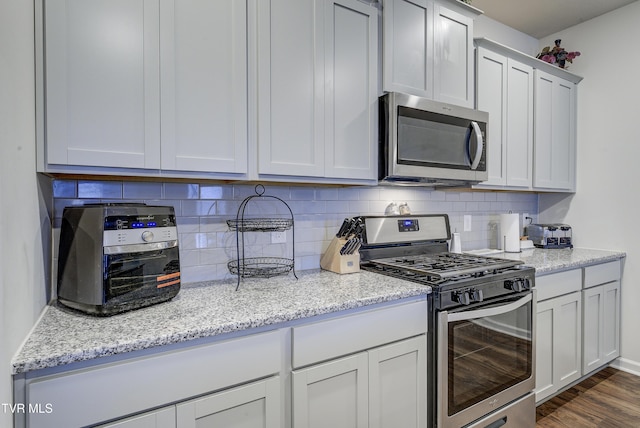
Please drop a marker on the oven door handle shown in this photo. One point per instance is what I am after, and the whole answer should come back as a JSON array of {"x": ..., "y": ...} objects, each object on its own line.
[{"x": 489, "y": 312}]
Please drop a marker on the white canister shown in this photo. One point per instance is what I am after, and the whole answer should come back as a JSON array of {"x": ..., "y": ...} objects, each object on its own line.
[{"x": 510, "y": 232}]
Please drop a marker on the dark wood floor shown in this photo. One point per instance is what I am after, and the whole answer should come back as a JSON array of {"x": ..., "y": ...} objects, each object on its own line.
[{"x": 610, "y": 398}]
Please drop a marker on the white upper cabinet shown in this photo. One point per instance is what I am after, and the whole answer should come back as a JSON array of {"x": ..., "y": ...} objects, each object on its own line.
[
  {"x": 555, "y": 132},
  {"x": 317, "y": 99},
  {"x": 519, "y": 136},
  {"x": 531, "y": 136},
  {"x": 492, "y": 97},
  {"x": 290, "y": 87},
  {"x": 408, "y": 47},
  {"x": 351, "y": 82},
  {"x": 273, "y": 90},
  {"x": 505, "y": 91},
  {"x": 453, "y": 75},
  {"x": 147, "y": 84},
  {"x": 203, "y": 62},
  {"x": 102, "y": 83},
  {"x": 428, "y": 49}
]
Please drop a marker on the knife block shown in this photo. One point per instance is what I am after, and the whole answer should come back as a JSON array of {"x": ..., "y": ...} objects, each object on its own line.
[{"x": 339, "y": 263}]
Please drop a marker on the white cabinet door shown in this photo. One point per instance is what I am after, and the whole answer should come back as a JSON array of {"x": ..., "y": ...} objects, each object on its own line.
[
  {"x": 333, "y": 394},
  {"x": 291, "y": 87},
  {"x": 555, "y": 132},
  {"x": 204, "y": 85},
  {"x": 453, "y": 48},
  {"x": 601, "y": 318},
  {"x": 492, "y": 98},
  {"x": 163, "y": 418},
  {"x": 102, "y": 83},
  {"x": 317, "y": 88},
  {"x": 397, "y": 385},
  {"x": 256, "y": 405},
  {"x": 559, "y": 360},
  {"x": 351, "y": 80},
  {"x": 544, "y": 349},
  {"x": 519, "y": 121},
  {"x": 611, "y": 321},
  {"x": 505, "y": 91},
  {"x": 408, "y": 47}
]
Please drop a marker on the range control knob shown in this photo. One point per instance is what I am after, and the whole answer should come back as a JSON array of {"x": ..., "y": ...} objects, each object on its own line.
[
  {"x": 461, "y": 297},
  {"x": 147, "y": 236},
  {"x": 517, "y": 284},
  {"x": 476, "y": 295}
]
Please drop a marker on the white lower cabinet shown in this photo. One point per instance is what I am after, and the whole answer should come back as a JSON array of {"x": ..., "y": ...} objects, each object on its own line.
[
  {"x": 578, "y": 325},
  {"x": 362, "y": 370},
  {"x": 94, "y": 395},
  {"x": 256, "y": 405},
  {"x": 332, "y": 394},
  {"x": 397, "y": 385},
  {"x": 163, "y": 418},
  {"x": 366, "y": 368},
  {"x": 382, "y": 387},
  {"x": 601, "y": 314},
  {"x": 559, "y": 343}
]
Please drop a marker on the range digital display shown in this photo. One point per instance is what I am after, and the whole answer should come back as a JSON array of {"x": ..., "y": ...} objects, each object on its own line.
[{"x": 408, "y": 225}]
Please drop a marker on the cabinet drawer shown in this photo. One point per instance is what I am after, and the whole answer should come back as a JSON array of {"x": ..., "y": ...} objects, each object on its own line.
[
  {"x": 557, "y": 284},
  {"x": 601, "y": 274},
  {"x": 326, "y": 340},
  {"x": 89, "y": 396}
]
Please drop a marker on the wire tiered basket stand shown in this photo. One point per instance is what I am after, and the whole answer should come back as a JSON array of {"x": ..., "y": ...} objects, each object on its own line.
[{"x": 260, "y": 267}]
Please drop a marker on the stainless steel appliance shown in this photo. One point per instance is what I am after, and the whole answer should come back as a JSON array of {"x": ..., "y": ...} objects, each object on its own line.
[
  {"x": 424, "y": 142},
  {"x": 117, "y": 257},
  {"x": 481, "y": 326},
  {"x": 554, "y": 235}
]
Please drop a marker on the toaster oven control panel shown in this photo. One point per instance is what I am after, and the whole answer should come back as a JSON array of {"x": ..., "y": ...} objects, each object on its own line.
[
  {"x": 124, "y": 222},
  {"x": 136, "y": 236}
]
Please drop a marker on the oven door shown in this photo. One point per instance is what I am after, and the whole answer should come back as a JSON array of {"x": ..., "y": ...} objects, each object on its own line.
[{"x": 485, "y": 358}]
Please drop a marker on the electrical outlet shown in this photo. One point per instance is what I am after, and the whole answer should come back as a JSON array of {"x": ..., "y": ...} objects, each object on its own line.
[
  {"x": 467, "y": 223},
  {"x": 278, "y": 237}
]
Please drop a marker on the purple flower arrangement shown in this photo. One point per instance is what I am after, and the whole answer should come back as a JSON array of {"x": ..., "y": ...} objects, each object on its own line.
[{"x": 557, "y": 55}]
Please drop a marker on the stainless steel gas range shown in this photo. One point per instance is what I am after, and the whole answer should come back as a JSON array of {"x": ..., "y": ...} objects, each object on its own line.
[{"x": 481, "y": 326}]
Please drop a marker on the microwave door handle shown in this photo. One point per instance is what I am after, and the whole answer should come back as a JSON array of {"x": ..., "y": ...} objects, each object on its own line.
[{"x": 479, "y": 146}]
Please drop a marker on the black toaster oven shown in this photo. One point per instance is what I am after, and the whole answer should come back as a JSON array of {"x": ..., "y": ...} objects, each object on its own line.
[{"x": 117, "y": 257}]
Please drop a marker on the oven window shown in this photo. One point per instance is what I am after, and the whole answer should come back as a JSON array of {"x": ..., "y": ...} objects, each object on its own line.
[{"x": 488, "y": 355}]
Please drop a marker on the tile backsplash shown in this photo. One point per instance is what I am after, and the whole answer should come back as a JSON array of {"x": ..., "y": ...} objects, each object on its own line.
[{"x": 207, "y": 244}]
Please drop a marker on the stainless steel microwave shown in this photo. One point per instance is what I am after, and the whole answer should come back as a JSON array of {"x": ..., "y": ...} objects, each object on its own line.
[{"x": 425, "y": 142}]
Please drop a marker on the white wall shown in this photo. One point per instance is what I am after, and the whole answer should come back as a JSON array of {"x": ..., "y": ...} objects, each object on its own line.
[
  {"x": 604, "y": 213},
  {"x": 491, "y": 29},
  {"x": 22, "y": 291}
]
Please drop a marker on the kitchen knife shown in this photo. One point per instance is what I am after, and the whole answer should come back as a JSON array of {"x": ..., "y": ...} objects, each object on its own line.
[
  {"x": 344, "y": 248},
  {"x": 344, "y": 228}
]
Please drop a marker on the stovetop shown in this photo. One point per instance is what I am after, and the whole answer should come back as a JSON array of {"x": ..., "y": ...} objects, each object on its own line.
[
  {"x": 414, "y": 248},
  {"x": 447, "y": 265},
  {"x": 442, "y": 268}
]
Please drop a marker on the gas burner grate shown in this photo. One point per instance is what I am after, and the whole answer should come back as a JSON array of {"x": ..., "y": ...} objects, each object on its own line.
[{"x": 448, "y": 266}]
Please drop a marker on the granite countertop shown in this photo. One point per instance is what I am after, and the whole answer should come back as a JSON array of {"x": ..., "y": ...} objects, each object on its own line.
[
  {"x": 63, "y": 336},
  {"x": 547, "y": 261}
]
